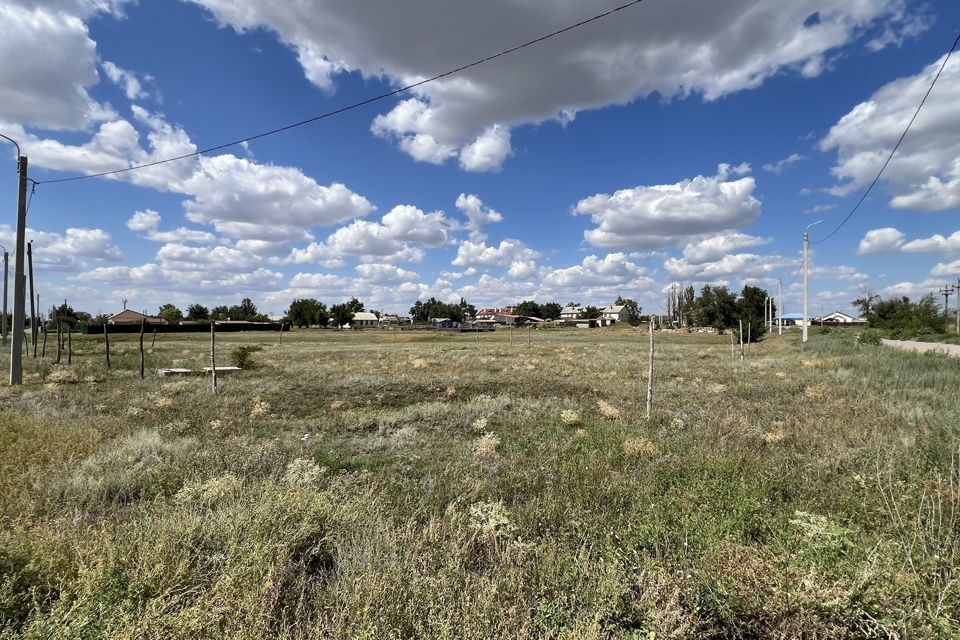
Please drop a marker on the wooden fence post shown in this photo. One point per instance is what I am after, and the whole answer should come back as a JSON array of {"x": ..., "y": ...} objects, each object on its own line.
[
  {"x": 650, "y": 372},
  {"x": 106, "y": 344},
  {"x": 153, "y": 343},
  {"x": 59, "y": 340},
  {"x": 43, "y": 352},
  {"x": 141, "y": 347},
  {"x": 741, "y": 340},
  {"x": 69, "y": 344},
  {"x": 213, "y": 354}
]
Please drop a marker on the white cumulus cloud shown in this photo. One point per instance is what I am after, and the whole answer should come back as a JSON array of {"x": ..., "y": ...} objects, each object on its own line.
[{"x": 657, "y": 216}]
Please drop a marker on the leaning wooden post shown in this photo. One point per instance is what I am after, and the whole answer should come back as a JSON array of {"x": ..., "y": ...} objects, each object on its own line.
[
  {"x": 43, "y": 351},
  {"x": 106, "y": 344},
  {"x": 650, "y": 372},
  {"x": 69, "y": 343},
  {"x": 213, "y": 354},
  {"x": 141, "y": 347}
]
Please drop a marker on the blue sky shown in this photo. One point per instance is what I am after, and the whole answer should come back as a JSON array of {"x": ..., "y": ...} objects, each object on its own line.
[{"x": 687, "y": 142}]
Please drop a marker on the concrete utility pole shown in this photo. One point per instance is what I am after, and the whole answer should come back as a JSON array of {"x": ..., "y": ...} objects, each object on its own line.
[
  {"x": 6, "y": 275},
  {"x": 780, "y": 306},
  {"x": 19, "y": 280},
  {"x": 806, "y": 264}
]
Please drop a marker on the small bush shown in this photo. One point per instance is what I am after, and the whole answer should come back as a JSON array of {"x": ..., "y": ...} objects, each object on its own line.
[
  {"x": 870, "y": 336},
  {"x": 243, "y": 356}
]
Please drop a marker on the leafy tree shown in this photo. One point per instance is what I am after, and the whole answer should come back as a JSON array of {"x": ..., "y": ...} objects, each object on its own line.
[
  {"x": 715, "y": 307},
  {"x": 633, "y": 309},
  {"x": 307, "y": 311},
  {"x": 198, "y": 312},
  {"x": 65, "y": 314},
  {"x": 903, "y": 316},
  {"x": 589, "y": 312},
  {"x": 419, "y": 311},
  {"x": 465, "y": 311},
  {"x": 342, "y": 314},
  {"x": 246, "y": 310},
  {"x": 528, "y": 308},
  {"x": 550, "y": 310},
  {"x": 424, "y": 311},
  {"x": 750, "y": 310},
  {"x": 220, "y": 313},
  {"x": 355, "y": 305},
  {"x": 866, "y": 303},
  {"x": 170, "y": 313}
]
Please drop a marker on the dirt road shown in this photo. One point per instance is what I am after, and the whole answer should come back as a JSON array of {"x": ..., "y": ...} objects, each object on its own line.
[{"x": 913, "y": 345}]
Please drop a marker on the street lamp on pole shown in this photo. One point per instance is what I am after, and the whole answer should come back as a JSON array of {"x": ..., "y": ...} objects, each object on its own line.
[
  {"x": 19, "y": 280},
  {"x": 806, "y": 264}
]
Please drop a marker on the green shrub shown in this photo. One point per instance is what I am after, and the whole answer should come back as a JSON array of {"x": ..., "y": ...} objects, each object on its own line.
[
  {"x": 870, "y": 336},
  {"x": 243, "y": 356}
]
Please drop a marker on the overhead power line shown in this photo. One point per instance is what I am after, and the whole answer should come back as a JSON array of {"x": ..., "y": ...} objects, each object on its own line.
[
  {"x": 895, "y": 147},
  {"x": 355, "y": 105}
]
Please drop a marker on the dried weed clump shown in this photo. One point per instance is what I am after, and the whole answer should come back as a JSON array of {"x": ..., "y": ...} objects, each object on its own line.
[
  {"x": 609, "y": 411},
  {"x": 303, "y": 472},
  {"x": 640, "y": 448},
  {"x": 63, "y": 376},
  {"x": 569, "y": 417},
  {"x": 491, "y": 519},
  {"x": 485, "y": 447},
  {"x": 260, "y": 408}
]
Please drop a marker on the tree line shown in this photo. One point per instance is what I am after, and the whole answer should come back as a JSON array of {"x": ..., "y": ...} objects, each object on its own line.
[{"x": 901, "y": 316}]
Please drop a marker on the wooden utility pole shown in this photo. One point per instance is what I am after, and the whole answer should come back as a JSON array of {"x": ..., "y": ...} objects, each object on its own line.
[
  {"x": 6, "y": 275},
  {"x": 36, "y": 336},
  {"x": 650, "y": 372},
  {"x": 958, "y": 307},
  {"x": 213, "y": 354},
  {"x": 779, "y": 306},
  {"x": 946, "y": 292},
  {"x": 33, "y": 310},
  {"x": 141, "y": 347},
  {"x": 106, "y": 344}
]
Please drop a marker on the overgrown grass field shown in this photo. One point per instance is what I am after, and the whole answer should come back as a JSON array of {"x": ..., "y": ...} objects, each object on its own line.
[{"x": 374, "y": 485}]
